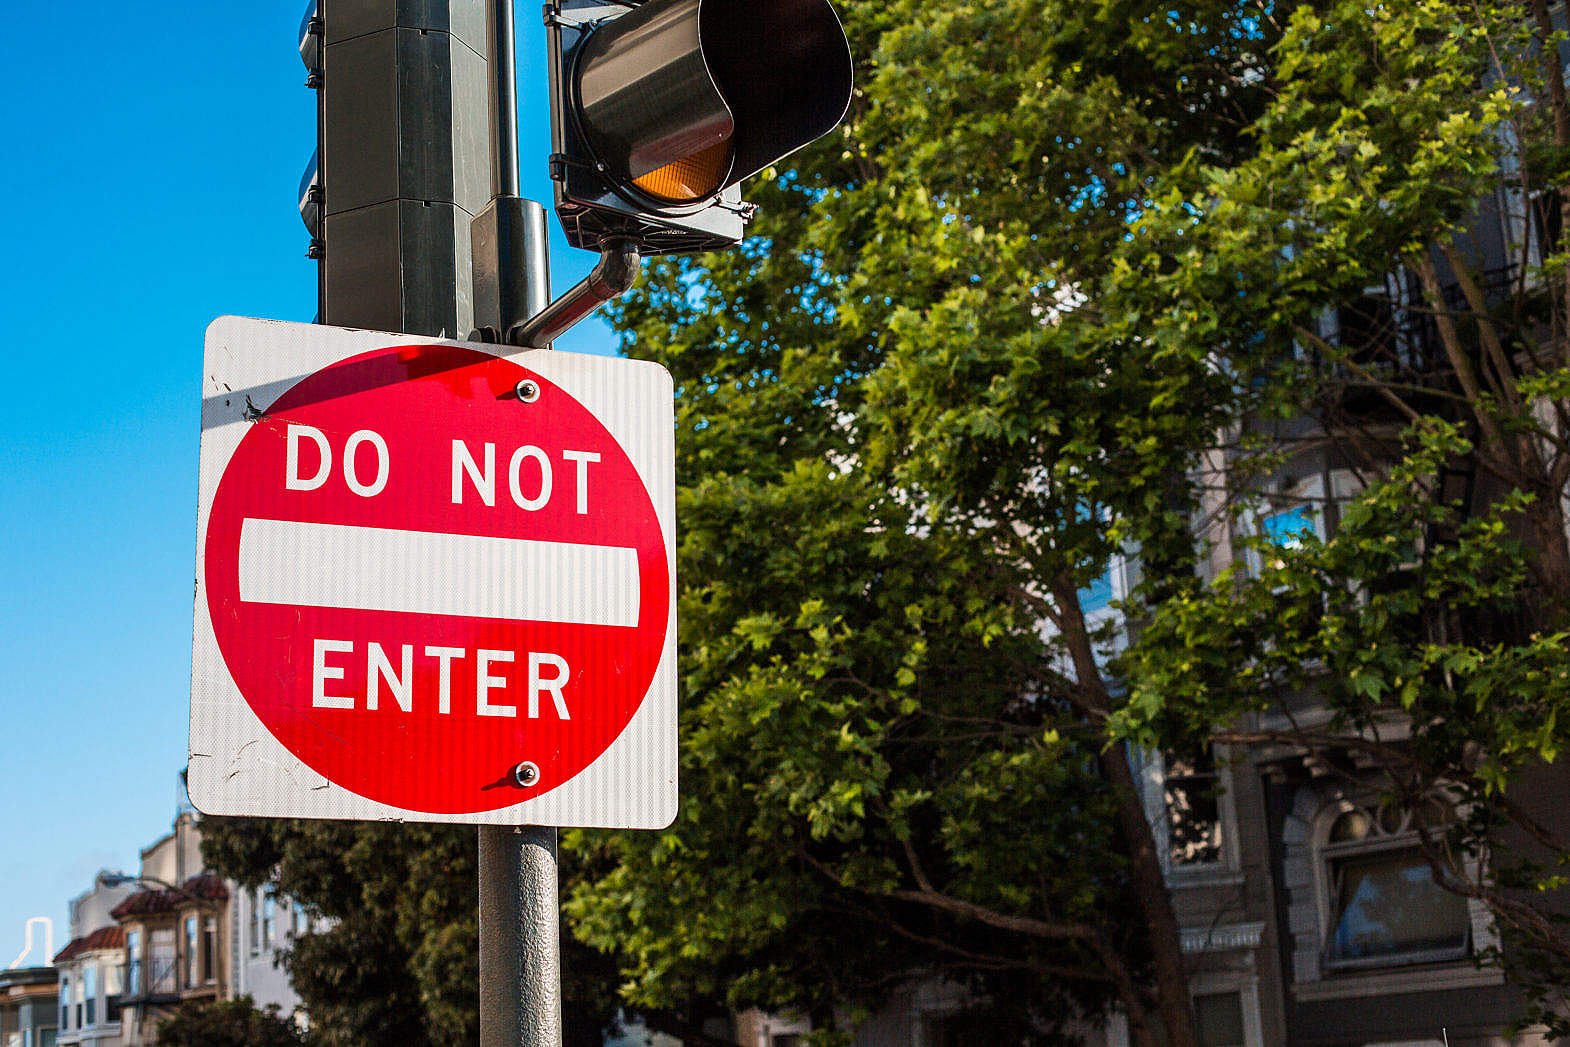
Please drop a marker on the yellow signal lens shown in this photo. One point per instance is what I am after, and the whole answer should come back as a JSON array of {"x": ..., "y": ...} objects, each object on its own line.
[{"x": 690, "y": 178}]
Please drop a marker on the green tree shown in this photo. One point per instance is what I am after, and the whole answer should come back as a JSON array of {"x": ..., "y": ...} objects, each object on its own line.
[
  {"x": 396, "y": 963},
  {"x": 395, "y": 959},
  {"x": 1431, "y": 624},
  {"x": 1059, "y": 257},
  {"x": 911, "y": 432},
  {"x": 230, "y": 1023}
]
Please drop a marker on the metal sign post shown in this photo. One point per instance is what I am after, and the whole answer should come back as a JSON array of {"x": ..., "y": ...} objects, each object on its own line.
[
  {"x": 520, "y": 946},
  {"x": 519, "y": 914}
]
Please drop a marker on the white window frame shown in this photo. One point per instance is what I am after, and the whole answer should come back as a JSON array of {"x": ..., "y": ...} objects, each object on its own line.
[
  {"x": 1247, "y": 988},
  {"x": 1326, "y": 853},
  {"x": 1215, "y": 984},
  {"x": 254, "y": 919},
  {"x": 1151, "y": 768}
]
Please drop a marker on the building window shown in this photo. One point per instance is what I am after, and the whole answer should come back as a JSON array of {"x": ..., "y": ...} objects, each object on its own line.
[
  {"x": 65, "y": 1001},
  {"x": 90, "y": 990},
  {"x": 114, "y": 978},
  {"x": 133, "y": 965},
  {"x": 1219, "y": 1017},
  {"x": 1097, "y": 596},
  {"x": 1193, "y": 804},
  {"x": 301, "y": 920},
  {"x": 209, "y": 950},
  {"x": 269, "y": 918},
  {"x": 254, "y": 898},
  {"x": 80, "y": 1000},
  {"x": 190, "y": 952},
  {"x": 1284, "y": 528},
  {"x": 1188, "y": 801},
  {"x": 1289, "y": 527},
  {"x": 163, "y": 974},
  {"x": 1384, "y": 906}
]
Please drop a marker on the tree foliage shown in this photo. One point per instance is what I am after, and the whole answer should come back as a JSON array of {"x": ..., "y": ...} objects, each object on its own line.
[
  {"x": 395, "y": 959},
  {"x": 1063, "y": 266},
  {"x": 396, "y": 963},
  {"x": 230, "y": 1023}
]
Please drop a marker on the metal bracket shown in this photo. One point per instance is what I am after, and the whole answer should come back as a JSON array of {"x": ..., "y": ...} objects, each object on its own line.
[
  {"x": 741, "y": 207},
  {"x": 582, "y": 14},
  {"x": 614, "y": 276},
  {"x": 559, "y": 162}
]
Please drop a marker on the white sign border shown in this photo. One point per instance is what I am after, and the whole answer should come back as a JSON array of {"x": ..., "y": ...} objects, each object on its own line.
[{"x": 236, "y": 765}]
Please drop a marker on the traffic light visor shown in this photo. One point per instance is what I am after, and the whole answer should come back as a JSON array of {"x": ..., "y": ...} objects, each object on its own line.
[
  {"x": 680, "y": 98},
  {"x": 784, "y": 69}
]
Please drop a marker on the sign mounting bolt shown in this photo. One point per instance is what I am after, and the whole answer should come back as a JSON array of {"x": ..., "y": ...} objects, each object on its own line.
[
  {"x": 528, "y": 391},
  {"x": 526, "y": 774}
]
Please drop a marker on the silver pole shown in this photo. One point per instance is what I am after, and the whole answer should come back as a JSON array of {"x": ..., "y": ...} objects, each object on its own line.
[
  {"x": 520, "y": 916},
  {"x": 520, "y": 947},
  {"x": 501, "y": 60}
]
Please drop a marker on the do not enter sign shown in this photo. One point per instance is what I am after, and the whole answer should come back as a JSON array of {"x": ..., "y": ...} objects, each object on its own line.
[{"x": 433, "y": 582}]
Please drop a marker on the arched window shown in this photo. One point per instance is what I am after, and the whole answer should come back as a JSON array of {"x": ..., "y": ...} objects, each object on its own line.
[{"x": 1383, "y": 903}]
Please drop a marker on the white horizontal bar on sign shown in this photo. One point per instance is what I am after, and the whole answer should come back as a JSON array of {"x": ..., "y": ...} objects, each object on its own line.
[{"x": 425, "y": 572}]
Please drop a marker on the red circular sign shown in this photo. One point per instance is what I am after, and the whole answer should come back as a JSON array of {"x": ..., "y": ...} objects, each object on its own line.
[{"x": 428, "y": 567}]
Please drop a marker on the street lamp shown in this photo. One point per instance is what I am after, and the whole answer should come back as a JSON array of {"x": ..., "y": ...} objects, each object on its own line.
[{"x": 116, "y": 879}]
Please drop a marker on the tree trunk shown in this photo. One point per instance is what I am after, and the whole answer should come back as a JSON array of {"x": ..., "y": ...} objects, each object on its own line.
[
  {"x": 1559, "y": 107},
  {"x": 1166, "y": 944},
  {"x": 1173, "y": 1005},
  {"x": 1550, "y": 564}
]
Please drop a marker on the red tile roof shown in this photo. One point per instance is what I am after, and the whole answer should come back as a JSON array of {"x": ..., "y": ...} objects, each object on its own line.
[
  {"x": 103, "y": 938},
  {"x": 207, "y": 887}
]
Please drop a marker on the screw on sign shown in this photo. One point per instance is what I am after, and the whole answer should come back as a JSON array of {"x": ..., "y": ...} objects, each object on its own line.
[{"x": 436, "y": 579}]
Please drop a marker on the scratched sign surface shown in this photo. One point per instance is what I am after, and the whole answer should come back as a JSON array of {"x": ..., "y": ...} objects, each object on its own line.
[{"x": 433, "y": 583}]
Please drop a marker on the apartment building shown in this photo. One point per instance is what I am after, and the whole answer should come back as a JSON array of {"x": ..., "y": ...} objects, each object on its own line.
[{"x": 1310, "y": 916}]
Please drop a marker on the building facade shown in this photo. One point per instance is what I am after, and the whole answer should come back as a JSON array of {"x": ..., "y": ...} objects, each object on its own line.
[
  {"x": 143, "y": 946},
  {"x": 174, "y": 931},
  {"x": 27, "y": 1007},
  {"x": 264, "y": 927},
  {"x": 91, "y": 967}
]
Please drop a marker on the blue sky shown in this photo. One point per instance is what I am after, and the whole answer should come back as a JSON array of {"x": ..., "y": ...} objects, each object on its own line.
[{"x": 152, "y": 176}]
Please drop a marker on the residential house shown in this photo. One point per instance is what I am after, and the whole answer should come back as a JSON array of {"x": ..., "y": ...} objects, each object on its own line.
[
  {"x": 1309, "y": 916},
  {"x": 175, "y": 933},
  {"x": 27, "y": 1007},
  {"x": 91, "y": 968},
  {"x": 264, "y": 927}
]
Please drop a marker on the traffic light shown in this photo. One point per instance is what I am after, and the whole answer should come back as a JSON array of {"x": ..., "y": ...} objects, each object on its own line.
[
  {"x": 311, "y": 180},
  {"x": 401, "y": 160},
  {"x": 659, "y": 109}
]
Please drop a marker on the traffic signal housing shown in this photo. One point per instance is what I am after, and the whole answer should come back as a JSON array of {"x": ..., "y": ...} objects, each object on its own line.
[
  {"x": 660, "y": 109},
  {"x": 401, "y": 160}
]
